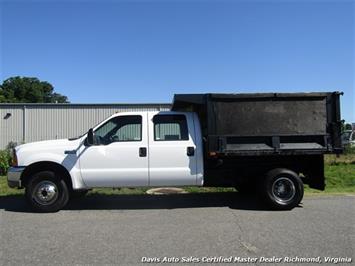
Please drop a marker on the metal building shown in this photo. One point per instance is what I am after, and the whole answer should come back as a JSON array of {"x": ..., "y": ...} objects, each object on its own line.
[{"x": 23, "y": 123}]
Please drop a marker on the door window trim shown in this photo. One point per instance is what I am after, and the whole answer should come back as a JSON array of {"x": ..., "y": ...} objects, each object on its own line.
[
  {"x": 182, "y": 139},
  {"x": 117, "y": 117}
]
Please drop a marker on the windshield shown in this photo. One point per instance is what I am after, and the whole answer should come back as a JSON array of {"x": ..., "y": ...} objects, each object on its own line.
[{"x": 78, "y": 137}]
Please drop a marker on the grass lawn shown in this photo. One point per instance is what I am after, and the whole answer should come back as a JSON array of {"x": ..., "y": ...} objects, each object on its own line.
[
  {"x": 340, "y": 178},
  {"x": 5, "y": 190},
  {"x": 339, "y": 172}
]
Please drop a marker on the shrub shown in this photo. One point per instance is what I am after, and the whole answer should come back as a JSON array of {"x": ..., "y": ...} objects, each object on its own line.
[{"x": 5, "y": 161}]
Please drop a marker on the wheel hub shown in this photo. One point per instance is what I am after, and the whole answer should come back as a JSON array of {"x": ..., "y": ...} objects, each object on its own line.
[
  {"x": 283, "y": 190},
  {"x": 45, "y": 192}
]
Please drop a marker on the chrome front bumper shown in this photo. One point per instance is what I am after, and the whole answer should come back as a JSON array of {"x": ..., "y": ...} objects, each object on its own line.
[{"x": 14, "y": 176}]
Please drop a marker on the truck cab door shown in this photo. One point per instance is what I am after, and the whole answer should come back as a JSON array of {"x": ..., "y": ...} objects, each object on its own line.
[
  {"x": 119, "y": 156},
  {"x": 172, "y": 149}
]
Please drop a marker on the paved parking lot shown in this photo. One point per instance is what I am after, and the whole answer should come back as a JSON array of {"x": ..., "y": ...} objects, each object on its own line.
[{"x": 127, "y": 229}]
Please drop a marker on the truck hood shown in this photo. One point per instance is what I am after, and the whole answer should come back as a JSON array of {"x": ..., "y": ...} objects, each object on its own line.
[{"x": 57, "y": 144}]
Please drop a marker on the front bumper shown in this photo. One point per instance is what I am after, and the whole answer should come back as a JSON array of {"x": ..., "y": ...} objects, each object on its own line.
[{"x": 14, "y": 176}]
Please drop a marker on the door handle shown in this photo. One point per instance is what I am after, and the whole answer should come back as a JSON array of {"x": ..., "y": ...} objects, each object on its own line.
[
  {"x": 142, "y": 152},
  {"x": 190, "y": 151}
]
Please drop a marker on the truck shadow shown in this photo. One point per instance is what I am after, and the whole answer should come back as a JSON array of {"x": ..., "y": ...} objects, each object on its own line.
[{"x": 231, "y": 200}]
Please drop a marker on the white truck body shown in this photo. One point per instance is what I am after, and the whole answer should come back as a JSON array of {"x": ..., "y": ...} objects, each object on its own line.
[{"x": 119, "y": 164}]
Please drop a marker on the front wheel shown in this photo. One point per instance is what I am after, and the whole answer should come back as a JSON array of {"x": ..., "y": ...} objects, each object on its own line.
[
  {"x": 46, "y": 192},
  {"x": 283, "y": 189}
]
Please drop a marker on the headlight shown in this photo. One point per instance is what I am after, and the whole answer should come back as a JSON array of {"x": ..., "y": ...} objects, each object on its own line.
[{"x": 13, "y": 158}]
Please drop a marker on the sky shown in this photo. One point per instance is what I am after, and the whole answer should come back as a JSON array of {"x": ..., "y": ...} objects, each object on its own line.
[{"x": 145, "y": 51}]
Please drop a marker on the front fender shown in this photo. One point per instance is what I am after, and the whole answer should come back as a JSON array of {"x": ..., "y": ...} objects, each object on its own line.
[
  {"x": 43, "y": 157},
  {"x": 69, "y": 161}
]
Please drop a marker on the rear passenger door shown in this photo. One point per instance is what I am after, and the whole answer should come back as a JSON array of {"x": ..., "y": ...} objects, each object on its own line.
[{"x": 172, "y": 149}]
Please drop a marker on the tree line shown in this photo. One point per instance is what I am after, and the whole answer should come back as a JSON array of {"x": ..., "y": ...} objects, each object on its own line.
[{"x": 29, "y": 90}]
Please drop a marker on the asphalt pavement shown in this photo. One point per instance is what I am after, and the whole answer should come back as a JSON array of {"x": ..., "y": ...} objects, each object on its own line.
[{"x": 208, "y": 229}]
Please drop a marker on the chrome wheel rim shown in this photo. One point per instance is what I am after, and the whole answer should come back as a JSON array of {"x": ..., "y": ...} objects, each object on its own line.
[
  {"x": 45, "y": 192},
  {"x": 283, "y": 190}
]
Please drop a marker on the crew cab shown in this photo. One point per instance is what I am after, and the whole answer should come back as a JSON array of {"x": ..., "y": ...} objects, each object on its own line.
[{"x": 254, "y": 142}]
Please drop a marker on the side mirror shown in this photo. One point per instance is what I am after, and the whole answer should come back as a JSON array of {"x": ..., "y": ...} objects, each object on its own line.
[{"x": 90, "y": 138}]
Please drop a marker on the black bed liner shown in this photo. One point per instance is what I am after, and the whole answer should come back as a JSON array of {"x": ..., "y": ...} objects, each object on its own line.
[{"x": 266, "y": 123}]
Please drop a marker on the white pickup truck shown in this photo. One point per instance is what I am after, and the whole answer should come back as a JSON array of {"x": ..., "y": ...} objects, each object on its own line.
[{"x": 206, "y": 140}]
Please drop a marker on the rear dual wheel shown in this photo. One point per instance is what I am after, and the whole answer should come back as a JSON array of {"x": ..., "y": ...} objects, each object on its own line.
[{"x": 283, "y": 189}]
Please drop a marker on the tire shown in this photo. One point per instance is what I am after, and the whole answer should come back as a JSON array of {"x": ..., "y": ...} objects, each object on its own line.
[
  {"x": 77, "y": 194},
  {"x": 283, "y": 189},
  {"x": 46, "y": 192}
]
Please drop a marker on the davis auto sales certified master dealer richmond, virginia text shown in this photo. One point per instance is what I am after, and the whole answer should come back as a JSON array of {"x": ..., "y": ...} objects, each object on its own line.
[{"x": 237, "y": 259}]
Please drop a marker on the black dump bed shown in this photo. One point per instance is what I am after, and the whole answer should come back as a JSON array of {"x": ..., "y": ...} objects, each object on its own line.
[{"x": 266, "y": 123}]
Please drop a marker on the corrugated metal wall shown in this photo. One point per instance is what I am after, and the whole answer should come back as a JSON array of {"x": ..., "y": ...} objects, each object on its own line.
[
  {"x": 11, "y": 125},
  {"x": 33, "y": 122}
]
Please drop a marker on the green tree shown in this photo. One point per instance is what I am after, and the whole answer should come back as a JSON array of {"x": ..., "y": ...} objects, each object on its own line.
[{"x": 29, "y": 90}]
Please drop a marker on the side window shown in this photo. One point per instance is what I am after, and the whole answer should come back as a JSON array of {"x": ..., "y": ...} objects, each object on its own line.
[
  {"x": 119, "y": 128},
  {"x": 170, "y": 128}
]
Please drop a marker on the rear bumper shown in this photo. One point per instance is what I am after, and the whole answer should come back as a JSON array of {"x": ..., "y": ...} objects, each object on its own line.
[{"x": 14, "y": 176}]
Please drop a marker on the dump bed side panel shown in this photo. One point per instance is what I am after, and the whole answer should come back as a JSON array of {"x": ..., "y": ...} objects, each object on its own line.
[{"x": 270, "y": 117}]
